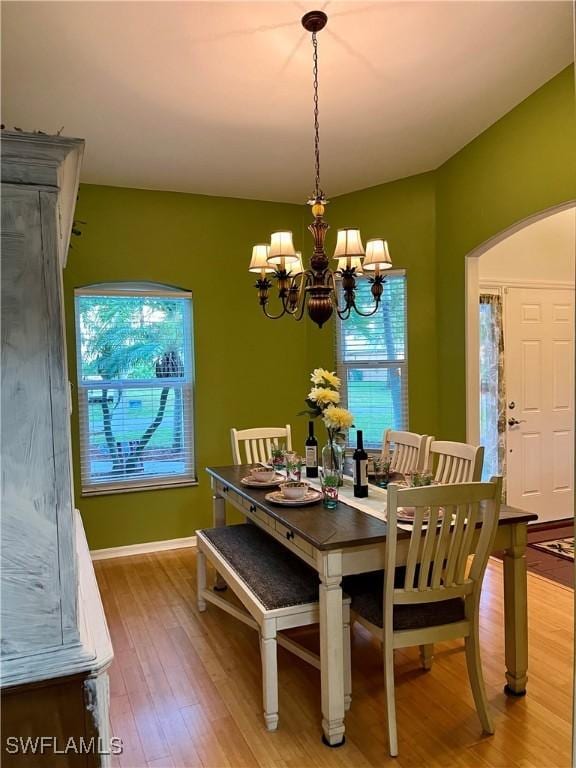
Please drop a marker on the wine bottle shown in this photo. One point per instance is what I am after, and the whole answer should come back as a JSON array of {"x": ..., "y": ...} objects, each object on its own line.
[
  {"x": 360, "y": 459},
  {"x": 311, "y": 452}
]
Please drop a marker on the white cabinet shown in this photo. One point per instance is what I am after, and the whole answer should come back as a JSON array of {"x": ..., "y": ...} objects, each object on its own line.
[{"x": 52, "y": 620}]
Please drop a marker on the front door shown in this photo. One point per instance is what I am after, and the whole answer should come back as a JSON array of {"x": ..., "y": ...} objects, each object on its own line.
[{"x": 539, "y": 369}]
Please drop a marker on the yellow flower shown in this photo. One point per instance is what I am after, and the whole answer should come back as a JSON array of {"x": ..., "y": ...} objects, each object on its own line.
[
  {"x": 323, "y": 396},
  {"x": 320, "y": 376},
  {"x": 337, "y": 418}
]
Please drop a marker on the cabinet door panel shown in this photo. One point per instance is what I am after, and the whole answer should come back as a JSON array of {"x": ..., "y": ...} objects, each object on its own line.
[
  {"x": 60, "y": 403},
  {"x": 31, "y": 610}
]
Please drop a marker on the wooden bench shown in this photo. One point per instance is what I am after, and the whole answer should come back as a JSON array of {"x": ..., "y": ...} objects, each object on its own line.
[{"x": 277, "y": 590}]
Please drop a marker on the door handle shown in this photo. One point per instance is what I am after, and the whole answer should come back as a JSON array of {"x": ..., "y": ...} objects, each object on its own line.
[{"x": 512, "y": 422}]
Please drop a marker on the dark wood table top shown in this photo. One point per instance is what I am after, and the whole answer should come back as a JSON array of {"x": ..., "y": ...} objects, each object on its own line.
[{"x": 337, "y": 528}]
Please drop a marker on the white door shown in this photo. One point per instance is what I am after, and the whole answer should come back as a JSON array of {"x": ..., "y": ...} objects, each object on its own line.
[{"x": 539, "y": 369}]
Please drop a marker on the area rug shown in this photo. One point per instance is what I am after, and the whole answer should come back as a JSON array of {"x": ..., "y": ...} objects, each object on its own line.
[{"x": 561, "y": 547}]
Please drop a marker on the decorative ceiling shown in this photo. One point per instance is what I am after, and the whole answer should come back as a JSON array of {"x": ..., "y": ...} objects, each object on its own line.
[{"x": 216, "y": 97}]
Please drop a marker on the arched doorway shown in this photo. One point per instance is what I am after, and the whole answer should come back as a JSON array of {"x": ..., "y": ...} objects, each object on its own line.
[{"x": 526, "y": 276}]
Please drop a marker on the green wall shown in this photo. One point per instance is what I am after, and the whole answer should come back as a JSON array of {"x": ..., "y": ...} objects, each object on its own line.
[
  {"x": 249, "y": 370},
  {"x": 523, "y": 164},
  {"x": 403, "y": 213},
  {"x": 203, "y": 244}
]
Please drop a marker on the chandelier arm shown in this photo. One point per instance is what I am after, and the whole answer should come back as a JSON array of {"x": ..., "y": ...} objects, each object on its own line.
[
  {"x": 343, "y": 314},
  {"x": 263, "y": 285},
  {"x": 307, "y": 278},
  {"x": 273, "y": 317},
  {"x": 366, "y": 314},
  {"x": 340, "y": 312},
  {"x": 377, "y": 283},
  {"x": 293, "y": 305}
]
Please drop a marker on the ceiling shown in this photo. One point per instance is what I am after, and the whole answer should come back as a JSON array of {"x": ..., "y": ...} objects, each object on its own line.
[{"x": 216, "y": 97}]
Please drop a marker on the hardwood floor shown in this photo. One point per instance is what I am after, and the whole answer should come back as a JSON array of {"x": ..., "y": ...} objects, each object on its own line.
[{"x": 186, "y": 691}]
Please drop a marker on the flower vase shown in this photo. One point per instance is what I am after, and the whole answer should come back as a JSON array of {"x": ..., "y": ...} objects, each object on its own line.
[{"x": 333, "y": 460}]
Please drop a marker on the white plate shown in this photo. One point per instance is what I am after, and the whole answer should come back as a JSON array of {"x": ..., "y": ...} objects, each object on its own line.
[
  {"x": 251, "y": 483},
  {"x": 277, "y": 497},
  {"x": 406, "y": 515}
]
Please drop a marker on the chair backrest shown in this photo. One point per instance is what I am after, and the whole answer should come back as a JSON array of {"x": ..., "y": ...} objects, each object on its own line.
[
  {"x": 456, "y": 462},
  {"x": 258, "y": 443},
  {"x": 446, "y": 518},
  {"x": 407, "y": 451}
]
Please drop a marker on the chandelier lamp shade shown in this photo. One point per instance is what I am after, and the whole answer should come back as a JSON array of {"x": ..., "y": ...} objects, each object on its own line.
[
  {"x": 259, "y": 261},
  {"x": 377, "y": 256},
  {"x": 319, "y": 290}
]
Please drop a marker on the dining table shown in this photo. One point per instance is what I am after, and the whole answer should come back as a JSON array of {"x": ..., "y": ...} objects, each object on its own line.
[{"x": 351, "y": 539}]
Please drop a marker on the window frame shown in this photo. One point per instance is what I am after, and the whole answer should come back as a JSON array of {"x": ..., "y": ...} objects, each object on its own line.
[
  {"x": 188, "y": 388},
  {"x": 342, "y": 366}
]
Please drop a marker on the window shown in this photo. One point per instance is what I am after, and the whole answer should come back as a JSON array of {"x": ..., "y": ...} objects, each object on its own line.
[
  {"x": 135, "y": 386},
  {"x": 372, "y": 362}
]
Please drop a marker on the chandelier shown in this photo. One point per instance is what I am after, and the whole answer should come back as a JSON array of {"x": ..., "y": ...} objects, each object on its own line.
[{"x": 316, "y": 289}]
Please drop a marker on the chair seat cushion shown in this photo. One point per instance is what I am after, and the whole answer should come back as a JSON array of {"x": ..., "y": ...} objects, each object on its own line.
[
  {"x": 367, "y": 593},
  {"x": 278, "y": 577}
]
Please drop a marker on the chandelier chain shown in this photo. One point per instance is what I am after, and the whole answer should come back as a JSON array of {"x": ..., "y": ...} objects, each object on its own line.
[{"x": 317, "y": 191}]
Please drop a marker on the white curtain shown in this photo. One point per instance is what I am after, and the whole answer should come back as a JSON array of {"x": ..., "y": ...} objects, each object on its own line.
[{"x": 492, "y": 394}]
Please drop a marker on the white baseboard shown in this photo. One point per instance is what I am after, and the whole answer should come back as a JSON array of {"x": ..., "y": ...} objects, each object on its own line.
[{"x": 144, "y": 548}]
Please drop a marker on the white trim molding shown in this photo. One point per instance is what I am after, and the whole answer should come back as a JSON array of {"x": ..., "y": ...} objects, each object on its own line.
[
  {"x": 144, "y": 548},
  {"x": 486, "y": 282}
]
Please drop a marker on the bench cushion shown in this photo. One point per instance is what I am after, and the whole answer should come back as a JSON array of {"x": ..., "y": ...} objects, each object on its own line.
[
  {"x": 276, "y": 576},
  {"x": 367, "y": 593}
]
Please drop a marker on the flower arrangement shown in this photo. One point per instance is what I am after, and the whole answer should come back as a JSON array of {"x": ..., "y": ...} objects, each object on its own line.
[{"x": 323, "y": 401}]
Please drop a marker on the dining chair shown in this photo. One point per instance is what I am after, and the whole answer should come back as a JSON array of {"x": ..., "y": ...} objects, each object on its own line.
[
  {"x": 406, "y": 451},
  {"x": 436, "y": 596},
  {"x": 456, "y": 462},
  {"x": 258, "y": 443}
]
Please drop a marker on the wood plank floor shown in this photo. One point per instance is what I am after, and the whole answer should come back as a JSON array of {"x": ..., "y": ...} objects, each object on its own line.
[{"x": 185, "y": 687}]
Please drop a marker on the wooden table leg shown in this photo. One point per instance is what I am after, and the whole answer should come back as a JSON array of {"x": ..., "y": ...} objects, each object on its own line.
[
  {"x": 516, "y": 612},
  {"x": 218, "y": 520},
  {"x": 331, "y": 648}
]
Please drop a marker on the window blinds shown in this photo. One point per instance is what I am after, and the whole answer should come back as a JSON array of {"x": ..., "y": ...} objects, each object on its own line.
[
  {"x": 372, "y": 362},
  {"x": 135, "y": 387}
]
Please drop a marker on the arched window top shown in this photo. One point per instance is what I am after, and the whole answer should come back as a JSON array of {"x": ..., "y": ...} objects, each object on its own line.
[{"x": 144, "y": 288}]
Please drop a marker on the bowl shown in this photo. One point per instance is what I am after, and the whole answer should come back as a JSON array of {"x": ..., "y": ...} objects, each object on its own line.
[
  {"x": 294, "y": 491},
  {"x": 262, "y": 475}
]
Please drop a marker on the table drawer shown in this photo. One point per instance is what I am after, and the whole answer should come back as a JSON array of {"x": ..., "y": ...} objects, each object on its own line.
[
  {"x": 253, "y": 511},
  {"x": 294, "y": 539}
]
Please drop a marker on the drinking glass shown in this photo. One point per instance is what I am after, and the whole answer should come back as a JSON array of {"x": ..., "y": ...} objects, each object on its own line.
[
  {"x": 329, "y": 481},
  {"x": 278, "y": 458},
  {"x": 293, "y": 466},
  {"x": 381, "y": 473}
]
